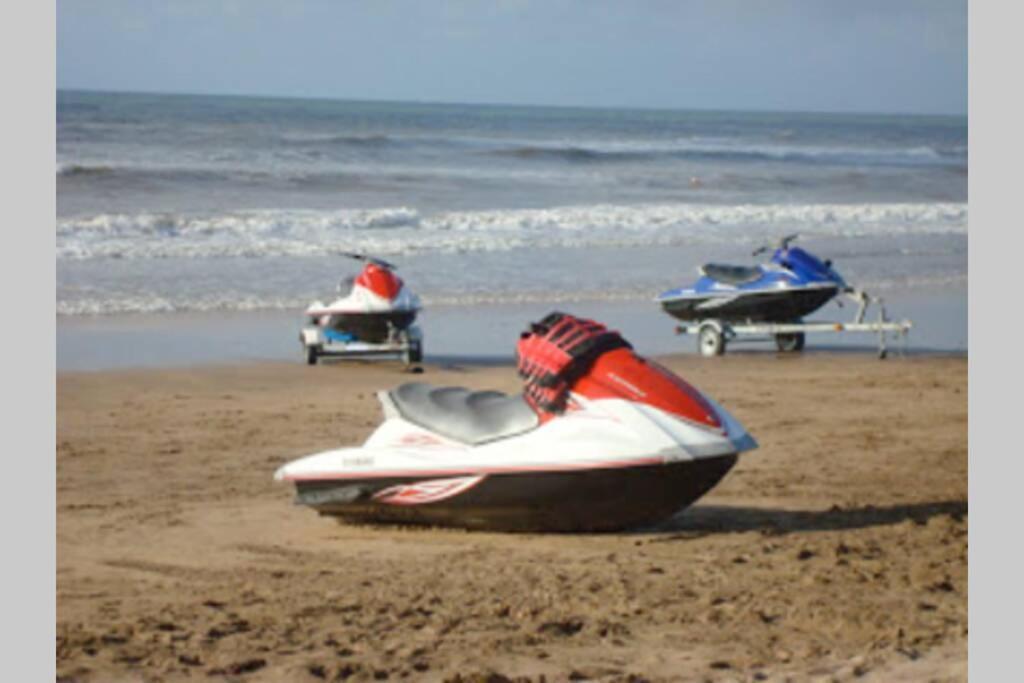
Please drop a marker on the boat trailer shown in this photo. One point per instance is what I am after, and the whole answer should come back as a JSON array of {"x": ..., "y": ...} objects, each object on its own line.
[
  {"x": 713, "y": 335},
  {"x": 405, "y": 345}
]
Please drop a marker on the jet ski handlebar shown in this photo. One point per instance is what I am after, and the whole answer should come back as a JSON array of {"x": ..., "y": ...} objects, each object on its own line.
[
  {"x": 369, "y": 259},
  {"x": 782, "y": 244}
]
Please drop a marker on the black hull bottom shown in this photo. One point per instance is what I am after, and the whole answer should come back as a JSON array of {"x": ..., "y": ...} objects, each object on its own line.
[
  {"x": 371, "y": 327},
  {"x": 779, "y": 307},
  {"x": 590, "y": 500}
]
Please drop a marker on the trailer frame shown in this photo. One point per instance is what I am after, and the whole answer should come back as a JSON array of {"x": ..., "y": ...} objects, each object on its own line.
[
  {"x": 404, "y": 345},
  {"x": 713, "y": 334}
]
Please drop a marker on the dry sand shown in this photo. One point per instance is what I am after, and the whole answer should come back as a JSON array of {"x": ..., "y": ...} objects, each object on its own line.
[{"x": 836, "y": 551}]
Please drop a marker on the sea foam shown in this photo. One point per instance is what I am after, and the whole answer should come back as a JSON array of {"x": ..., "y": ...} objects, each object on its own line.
[{"x": 403, "y": 230}]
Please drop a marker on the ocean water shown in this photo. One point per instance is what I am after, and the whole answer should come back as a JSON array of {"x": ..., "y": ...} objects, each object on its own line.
[{"x": 170, "y": 204}]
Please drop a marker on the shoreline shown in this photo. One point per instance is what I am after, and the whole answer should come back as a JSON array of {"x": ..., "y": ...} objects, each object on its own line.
[
  {"x": 460, "y": 332},
  {"x": 457, "y": 363}
]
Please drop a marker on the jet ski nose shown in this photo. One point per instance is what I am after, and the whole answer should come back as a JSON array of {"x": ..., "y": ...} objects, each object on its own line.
[
  {"x": 623, "y": 374},
  {"x": 733, "y": 431}
]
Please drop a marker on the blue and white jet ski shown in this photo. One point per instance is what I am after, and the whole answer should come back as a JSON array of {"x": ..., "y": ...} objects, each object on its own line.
[{"x": 794, "y": 283}]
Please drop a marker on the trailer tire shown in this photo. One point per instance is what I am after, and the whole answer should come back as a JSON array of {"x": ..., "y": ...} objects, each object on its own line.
[
  {"x": 791, "y": 342},
  {"x": 416, "y": 352},
  {"x": 710, "y": 341},
  {"x": 312, "y": 354}
]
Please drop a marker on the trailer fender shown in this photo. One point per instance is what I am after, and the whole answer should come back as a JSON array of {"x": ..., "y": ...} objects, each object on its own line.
[{"x": 310, "y": 336}]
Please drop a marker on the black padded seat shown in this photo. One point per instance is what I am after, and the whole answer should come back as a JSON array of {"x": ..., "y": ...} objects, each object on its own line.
[
  {"x": 733, "y": 275},
  {"x": 472, "y": 417}
]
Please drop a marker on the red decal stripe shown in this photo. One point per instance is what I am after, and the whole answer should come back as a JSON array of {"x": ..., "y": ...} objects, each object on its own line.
[{"x": 422, "y": 492}]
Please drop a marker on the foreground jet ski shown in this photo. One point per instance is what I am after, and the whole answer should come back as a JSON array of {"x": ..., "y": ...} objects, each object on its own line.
[
  {"x": 794, "y": 283},
  {"x": 601, "y": 439}
]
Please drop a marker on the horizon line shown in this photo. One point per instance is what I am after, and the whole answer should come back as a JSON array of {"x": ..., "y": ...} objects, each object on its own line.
[{"x": 326, "y": 98}]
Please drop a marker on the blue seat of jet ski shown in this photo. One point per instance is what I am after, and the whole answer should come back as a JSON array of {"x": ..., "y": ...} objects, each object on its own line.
[
  {"x": 472, "y": 417},
  {"x": 733, "y": 275}
]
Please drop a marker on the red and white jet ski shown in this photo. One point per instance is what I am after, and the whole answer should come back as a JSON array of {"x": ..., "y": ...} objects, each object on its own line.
[
  {"x": 375, "y": 318},
  {"x": 601, "y": 439}
]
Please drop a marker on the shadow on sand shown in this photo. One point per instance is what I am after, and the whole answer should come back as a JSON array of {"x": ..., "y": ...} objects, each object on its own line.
[{"x": 704, "y": 520}]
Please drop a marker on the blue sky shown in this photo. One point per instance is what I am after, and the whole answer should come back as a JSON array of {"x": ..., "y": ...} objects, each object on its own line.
[{"x": 808, "y": 55}]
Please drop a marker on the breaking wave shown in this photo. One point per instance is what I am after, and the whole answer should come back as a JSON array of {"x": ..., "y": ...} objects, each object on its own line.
[
  {"x": 113, "y": 303},
  {"x": 402, "y": 230},
  {"x": 729, "y": 151},
  {"x": 341, "y": 140},
  {"x": 110, "y": 304},
  {"x": 70, "y": 170}
]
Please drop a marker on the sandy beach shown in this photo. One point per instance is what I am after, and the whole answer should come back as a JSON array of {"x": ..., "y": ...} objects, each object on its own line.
[{"x": 836, "y": 551}]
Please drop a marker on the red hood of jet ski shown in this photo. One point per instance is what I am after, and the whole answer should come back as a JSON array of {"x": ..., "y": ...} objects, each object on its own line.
[
  {"x": 380, "y": 281},
  {"x": 623, "y": 374}
]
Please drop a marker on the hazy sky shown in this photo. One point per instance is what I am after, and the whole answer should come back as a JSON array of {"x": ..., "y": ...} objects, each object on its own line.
[{"x": 816, "y": 55}]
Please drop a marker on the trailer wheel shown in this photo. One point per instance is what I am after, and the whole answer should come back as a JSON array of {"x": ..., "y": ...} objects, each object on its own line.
[
  {"x": 312, "y": 353},
  {"x": 413, "y": 353},
  {"x": 416, "y": 352},
  {"x": 710, "y": 341},
  {"x": 790, "y": 342}
]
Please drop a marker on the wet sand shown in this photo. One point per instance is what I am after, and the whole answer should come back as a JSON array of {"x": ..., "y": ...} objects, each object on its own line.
[
  {"x": 111, "y": 342},
  {"x": 836, "y": 551}
]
